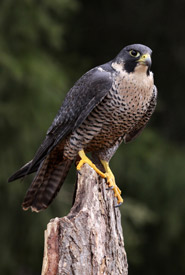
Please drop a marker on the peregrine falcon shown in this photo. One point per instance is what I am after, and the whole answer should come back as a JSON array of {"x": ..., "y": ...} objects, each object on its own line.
[{"x": 109, "y": 104}]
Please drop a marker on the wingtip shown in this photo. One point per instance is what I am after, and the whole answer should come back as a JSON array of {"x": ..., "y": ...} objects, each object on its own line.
[
  {"x": 22, "y": 172},
  {"x": 10, "y": 179}
]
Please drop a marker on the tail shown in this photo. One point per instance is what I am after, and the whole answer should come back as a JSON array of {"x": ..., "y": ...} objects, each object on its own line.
[{"x": 47, "y": 182}]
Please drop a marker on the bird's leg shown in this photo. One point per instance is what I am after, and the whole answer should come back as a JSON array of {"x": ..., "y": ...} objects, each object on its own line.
[
  {"x": 85, "y": 159},
  {"x": 108, "y": 174},
  {"x": 111, "y": 182}
]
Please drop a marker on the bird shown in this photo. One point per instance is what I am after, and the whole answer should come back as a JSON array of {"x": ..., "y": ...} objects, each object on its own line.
[{"x": 108, "y": 105}]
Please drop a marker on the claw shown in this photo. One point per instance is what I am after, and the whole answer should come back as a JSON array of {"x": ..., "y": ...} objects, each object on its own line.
[
  {"x": 108, "y": 175},
  {"x": 78, "y": 171},
  {"x": 111, "y": 182},
  {"x": 118, "y": 205},
  {"x": 110, "y": 188},
  {"x": 85, "y": 159}
]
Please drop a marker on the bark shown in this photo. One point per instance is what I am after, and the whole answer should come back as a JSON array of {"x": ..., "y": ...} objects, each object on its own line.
[{"x": 89, "y": 240}]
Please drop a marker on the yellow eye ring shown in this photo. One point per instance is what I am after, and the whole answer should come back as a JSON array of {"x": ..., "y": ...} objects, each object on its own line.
[{"x": 134, "y": 53}]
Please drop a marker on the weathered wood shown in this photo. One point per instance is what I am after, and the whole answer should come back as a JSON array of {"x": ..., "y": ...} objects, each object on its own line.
[{"x": 89, "y": 239}]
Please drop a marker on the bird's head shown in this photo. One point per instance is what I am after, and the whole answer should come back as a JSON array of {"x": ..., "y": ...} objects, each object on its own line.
[{"x": 134, "y": 57}]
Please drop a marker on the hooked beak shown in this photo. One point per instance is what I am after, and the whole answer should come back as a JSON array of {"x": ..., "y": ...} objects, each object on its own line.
[{"x": 145, "y": 60}]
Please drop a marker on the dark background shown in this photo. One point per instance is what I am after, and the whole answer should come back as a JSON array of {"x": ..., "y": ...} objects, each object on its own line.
[{"x": 45, "y": 46}]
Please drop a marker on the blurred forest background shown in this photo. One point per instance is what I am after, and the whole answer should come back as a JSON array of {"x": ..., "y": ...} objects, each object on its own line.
[{"x": 45, "y": 46}]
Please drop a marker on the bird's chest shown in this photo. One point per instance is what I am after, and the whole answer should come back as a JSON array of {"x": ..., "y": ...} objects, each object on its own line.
[{"x": 128, "y": 101}]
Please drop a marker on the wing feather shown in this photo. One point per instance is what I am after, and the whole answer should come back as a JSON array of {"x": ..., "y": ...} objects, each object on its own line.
[{"x": 82, "y": 98}]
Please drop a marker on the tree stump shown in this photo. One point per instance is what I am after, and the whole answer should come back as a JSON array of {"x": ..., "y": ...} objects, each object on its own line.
[{"x": 89, "y": 240}]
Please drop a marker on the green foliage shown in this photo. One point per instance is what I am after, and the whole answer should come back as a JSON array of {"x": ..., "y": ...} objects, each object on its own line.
[
  {"x": 153, "y": 188},
  {"x": 32, "y": 78},
  {"x": 44, "y": 47},
  {"x": 33, "y": 83}
]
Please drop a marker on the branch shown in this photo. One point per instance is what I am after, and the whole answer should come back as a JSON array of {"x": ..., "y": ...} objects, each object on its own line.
[{"x": 89, "y": 239}]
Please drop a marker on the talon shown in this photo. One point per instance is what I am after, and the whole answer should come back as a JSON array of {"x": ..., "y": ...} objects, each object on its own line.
[
  {"x": 118, "y": 205},
  {"x": 111, "y": 182},
  {"x": 85, "y": 159},
  {"x": 110, "y": 188},
  {"x": 108, "y": 175},
  {"x": 78, "y": 171}
]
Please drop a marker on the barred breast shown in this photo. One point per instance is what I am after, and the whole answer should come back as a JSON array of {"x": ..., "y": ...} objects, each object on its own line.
[{"x": 119, "y": 112}]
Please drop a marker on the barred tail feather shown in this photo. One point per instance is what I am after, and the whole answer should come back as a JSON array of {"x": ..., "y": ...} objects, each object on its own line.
[{"x": 46, "y": 184}]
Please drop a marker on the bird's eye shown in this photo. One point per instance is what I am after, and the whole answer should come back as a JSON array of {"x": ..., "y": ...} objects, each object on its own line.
[{"x": 134, "y": 53}]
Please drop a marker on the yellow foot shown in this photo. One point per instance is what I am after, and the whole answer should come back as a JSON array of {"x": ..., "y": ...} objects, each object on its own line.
[
  {"x": 111, "y": 182},
  {"x": 108, "y": 174},
  {"x": 85, "y": 159}
]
